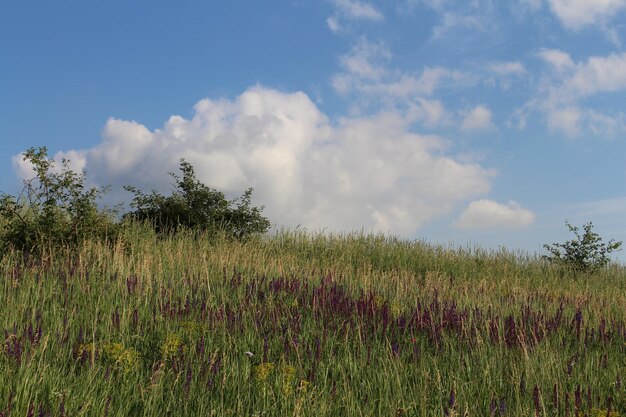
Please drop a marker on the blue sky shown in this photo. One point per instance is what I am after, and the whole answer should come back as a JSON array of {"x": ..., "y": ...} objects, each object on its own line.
[{"x": 478, "y": 122}]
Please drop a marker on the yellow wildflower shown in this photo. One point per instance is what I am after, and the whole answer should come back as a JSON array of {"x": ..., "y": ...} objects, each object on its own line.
[
  {"x": 395, "y": 309},
  {"x": 171, "y": 345},
  {"x": 262, "y": 371},
  {"x": 87, "y": 349},
  {"x": 603, "y": 413},
  {"x": 288, "y": 373},
  {"x": 126, "y": 359}
]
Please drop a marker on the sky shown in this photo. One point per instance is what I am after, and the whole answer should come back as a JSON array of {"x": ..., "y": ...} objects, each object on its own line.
[{"x": 476, "y": 123}]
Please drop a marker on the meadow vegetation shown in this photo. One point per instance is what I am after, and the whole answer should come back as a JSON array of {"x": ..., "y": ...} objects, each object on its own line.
[
  {"x": 163, "y": 318},
  {"x": 352, "y": 325}
]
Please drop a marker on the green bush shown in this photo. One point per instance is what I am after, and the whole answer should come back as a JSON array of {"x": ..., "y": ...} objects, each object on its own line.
[
  {"x": 585, "y": 253},
  {"x": 54, "y": 208},
  {"x": 194, "y": 205}
]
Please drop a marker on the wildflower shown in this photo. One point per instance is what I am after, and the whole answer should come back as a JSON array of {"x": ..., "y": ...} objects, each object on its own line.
[
  {"x": 188, "y": 380},
  {"x": 449, "y": 410},
  {"x": 288, "y": 373},
  {"x": 396, "y": 309},
  {"x": 62, "y": 407},
  {"x": 578, "y": 399},
  {"x": 171, "y": 346},
  {"x": 537, "y": 400},
  {"x": 107, "y": 406},
  {"x": 126, "y": 359},
  {"x": 510, "y": 333},
  {"x": 262, "y": 371},
  {"x": 596, "y": 412},
  {"x": 85, "y": 350},
  {"x": 492, "y": 407},
  {"x": 135, "y": 319}
]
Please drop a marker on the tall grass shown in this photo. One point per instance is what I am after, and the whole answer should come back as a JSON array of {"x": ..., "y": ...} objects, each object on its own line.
[{"x": 335, "y": 325}]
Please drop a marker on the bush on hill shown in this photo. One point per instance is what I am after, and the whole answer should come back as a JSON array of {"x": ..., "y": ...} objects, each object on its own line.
[
  {"x": 54, "y": 208},
  {"x": 585, "y": 253},
  {"x": 196, "y": 206}
]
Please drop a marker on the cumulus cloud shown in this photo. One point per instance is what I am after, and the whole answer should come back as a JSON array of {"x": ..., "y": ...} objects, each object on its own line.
[
  {"x": 75, "y": 161},
  {"x": 577, "y": 81},
  {"x": 488, "y": 214},
  {"x": 575, "y": 14},
  {"x": 564, "y": 89},
  {"x": 478, "y": 118},
  {"x": 363, "y": 172}
]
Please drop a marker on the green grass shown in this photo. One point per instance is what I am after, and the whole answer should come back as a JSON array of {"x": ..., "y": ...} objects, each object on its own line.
[{"x": 340, "y": 325}]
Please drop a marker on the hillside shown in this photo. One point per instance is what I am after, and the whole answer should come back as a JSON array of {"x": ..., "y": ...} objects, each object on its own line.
[{"x": 340, "y": 325}]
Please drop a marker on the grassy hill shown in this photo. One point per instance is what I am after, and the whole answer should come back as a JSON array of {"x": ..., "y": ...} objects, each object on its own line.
[{"x": 350, "y": 325}]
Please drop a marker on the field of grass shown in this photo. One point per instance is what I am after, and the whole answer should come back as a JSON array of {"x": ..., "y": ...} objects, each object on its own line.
[{"x": 307, "y": 325}]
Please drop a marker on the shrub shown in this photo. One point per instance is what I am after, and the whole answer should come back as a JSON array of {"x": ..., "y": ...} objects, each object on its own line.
[
  {"x": 196, "y": 206},
  {"x": 54, "y": 208},
  {"x": 585, "y": 253}
]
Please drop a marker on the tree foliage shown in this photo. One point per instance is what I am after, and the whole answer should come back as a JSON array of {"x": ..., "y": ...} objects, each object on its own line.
[
  {"x": 197, "y": 206},
  {"x": 54, "y": 208},
  {"x": 585, "y": 253}
]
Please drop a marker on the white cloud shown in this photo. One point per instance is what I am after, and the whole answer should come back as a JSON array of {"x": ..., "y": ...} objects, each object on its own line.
[
  {"x": 358, "y": 10},
  {"x": 403, "y": 86},
  {"x": 431, "y": 113},
  {"x": 349, "y": 11},
  {"x": 563, "y": 91},
  {"x": 565, "y": 120},
  {"x": 559, "y": 60},
  {"x": 602, "y": 124},
  {"x": 508, "y": 68},
  {"x": 575, "y": 14},
  {"x": 478, "y": 118},
  {"x": 598, "y": 74},
  {"x": 368, "y": 172},
  {"x": 455, "y": 21},
  {"x": 462, "y": 19},
  {"x": 366, "y": 72},
  {"x": 487, "y": 214},
  {"x": 333, "y": 24},
  {"x": 366, "y": 60},
  {"x": 76, "y": 162}
]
